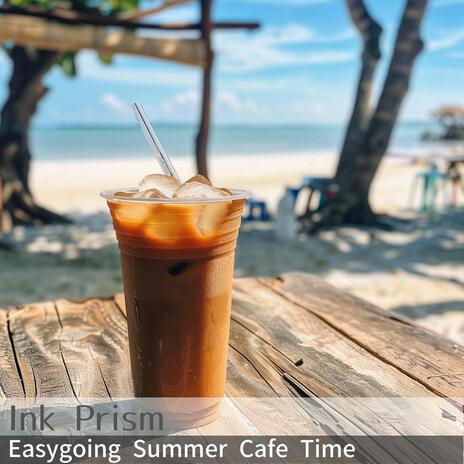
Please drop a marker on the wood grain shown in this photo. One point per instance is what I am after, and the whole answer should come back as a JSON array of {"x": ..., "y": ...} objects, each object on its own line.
[
  {"x": 293, "y": 338},
  {"x": 48, "y": 35},
  {"x": 299, "y": 355},
  {"x": 93, "y": 342},
  {"x": 11, "y": 384},
  {"x": 35, "y": 332},
  {"x": 425, "y": 357}
]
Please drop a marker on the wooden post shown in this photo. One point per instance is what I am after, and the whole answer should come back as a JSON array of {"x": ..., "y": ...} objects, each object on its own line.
[{"x": 205, "y": 118}]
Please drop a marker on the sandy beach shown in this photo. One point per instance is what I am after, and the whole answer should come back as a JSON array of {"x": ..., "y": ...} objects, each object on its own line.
[{"x": 416, "y": 270}]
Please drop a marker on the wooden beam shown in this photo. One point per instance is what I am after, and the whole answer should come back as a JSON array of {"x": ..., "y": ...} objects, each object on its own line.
[
  {"x": 72, "y": 17},
  {"x": 48, "y": 35},
  {"x": 235, "y": 25}
]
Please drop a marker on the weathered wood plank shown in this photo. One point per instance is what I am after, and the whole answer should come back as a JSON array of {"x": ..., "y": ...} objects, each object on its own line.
[
  {"x": 247, "y": 378},
  {"x": 270, "y": 335},
  {"x": 120, "y": 303},
  {"x": 243, "y": 377},
  {"x": 70, "y": 349},
  {"x": 11, "y": 383},
  {"x": 427, "y": 358},
  {"x": 93, "y": 342},
  {"x": 330, "y": 363},
  {"x": 284, "y": 343},
  {"x": 34, "y": 331},
  {"x": 298, "y": 354},
  {"x": 244, "y": 380}
]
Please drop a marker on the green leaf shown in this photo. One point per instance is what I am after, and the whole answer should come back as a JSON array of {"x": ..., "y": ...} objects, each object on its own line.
[
  {"x": 123, "y": 5},
  {"x": 68, "y": 64},
  {"x": 105, "y": 59}
]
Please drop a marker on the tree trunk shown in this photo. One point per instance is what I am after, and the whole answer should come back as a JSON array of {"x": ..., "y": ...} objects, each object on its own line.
[
  {"x": 370, "y": 32},
  {"x": 201, "y": 148},
  {"x": 17, "y": 205},
  {"x": 351, "y": 205}
]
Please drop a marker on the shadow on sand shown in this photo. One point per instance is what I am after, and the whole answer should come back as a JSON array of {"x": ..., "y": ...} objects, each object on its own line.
[
  {"x": 81, "y": 260},
  {"x": 415, "y": 246}
]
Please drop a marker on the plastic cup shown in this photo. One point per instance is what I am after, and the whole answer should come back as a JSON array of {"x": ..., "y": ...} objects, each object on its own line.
[{"x": 177, "y": 261}]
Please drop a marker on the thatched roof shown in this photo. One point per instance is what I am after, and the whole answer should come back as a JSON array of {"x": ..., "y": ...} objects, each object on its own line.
[{"x": 449, "y": 111}]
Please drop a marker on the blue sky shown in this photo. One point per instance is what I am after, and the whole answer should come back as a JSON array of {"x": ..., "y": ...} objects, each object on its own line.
[{"x": 300, "y": 67}]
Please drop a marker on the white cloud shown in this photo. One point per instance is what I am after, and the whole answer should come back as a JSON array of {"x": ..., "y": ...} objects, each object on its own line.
[
  {"x": 141, "y": 76},
  {"x": 269, "y": 48},
  {"x": 113, "y": 103},
  {"x": 182, "y": 102},
  {"x": 447, "y": 41},
  {"x": 230, "y": 100},
  {"x": 124, "y": 71},
  {"x": 190, "y": 97},
  {"x": 225, "y": 102}
]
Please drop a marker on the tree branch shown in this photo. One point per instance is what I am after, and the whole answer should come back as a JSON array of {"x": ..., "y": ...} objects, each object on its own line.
[{"x": 78, "y": 18}]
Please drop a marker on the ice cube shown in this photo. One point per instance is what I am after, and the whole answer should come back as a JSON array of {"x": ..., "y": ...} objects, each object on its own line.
[
  {"x": 198, "y": 190},
  {"x": 124, "y": 194},
  {"x": 199, "y": 178},
  {"x": 150, "y": 193},
  {"x": 165, "y": 184}
]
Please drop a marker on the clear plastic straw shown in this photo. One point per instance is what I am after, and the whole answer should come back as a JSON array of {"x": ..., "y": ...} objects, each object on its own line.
[{"x": 154, "y": 142}]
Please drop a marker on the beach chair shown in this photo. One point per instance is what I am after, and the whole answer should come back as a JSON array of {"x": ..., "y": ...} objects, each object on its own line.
[
  {"x": 295, "y": 191},
  {"x": 431, "y": 181},
  {"x": 325, "y": 187},
  {"x": 257, "y": 206}
]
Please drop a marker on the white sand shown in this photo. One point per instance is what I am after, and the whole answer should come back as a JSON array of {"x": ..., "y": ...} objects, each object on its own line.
[
  {"x": 417, "y": 270},
  {"x": 78, "y": 182}
]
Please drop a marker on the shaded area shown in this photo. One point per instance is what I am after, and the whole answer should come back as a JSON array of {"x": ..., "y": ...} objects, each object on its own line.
[
  {"x": 74, "y": 261},
  {"x": 415, "y": 246},
  {"x": 416, "y": 270}
]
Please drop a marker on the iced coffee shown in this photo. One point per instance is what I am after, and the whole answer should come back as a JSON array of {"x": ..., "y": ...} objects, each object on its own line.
[{"x": 177, "y": 244}]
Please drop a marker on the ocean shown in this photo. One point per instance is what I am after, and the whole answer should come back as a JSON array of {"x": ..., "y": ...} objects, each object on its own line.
[{"x": 119, "y": 142}]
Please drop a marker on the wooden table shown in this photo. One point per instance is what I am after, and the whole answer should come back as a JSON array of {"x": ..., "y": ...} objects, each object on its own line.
[{"x": 293, "y": 336}]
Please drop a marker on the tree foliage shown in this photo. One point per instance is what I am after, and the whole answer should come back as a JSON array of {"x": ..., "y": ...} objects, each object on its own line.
[
  {"x": 26, "y": 90},
  {"x": 67, "y": 62}
]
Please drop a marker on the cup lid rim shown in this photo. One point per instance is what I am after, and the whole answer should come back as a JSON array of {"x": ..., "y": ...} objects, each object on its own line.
[{"x": 109, "y": 195}]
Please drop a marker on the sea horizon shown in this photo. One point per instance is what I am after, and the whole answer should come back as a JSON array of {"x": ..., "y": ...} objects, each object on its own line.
[
  {"x": 82, "y": 141},
  {"x": 241, "y": 125}
]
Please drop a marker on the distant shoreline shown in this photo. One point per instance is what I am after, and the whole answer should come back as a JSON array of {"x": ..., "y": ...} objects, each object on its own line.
[
  {"x": 108, "y": 142},
  {"x": 244, "y": 126}
]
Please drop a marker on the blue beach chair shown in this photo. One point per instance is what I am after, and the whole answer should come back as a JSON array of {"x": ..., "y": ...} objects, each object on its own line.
[
  {"x": 431, "y": 181},
  {"x": 254, "y": 205}
]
